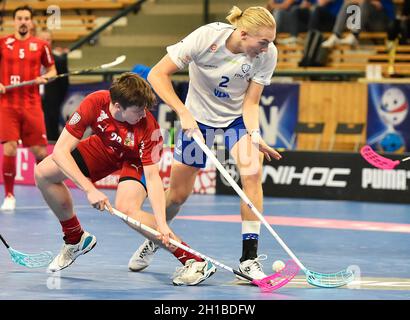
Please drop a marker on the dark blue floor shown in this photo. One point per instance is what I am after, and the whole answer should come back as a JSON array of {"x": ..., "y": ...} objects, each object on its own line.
[{"x": 383, "y": 257}]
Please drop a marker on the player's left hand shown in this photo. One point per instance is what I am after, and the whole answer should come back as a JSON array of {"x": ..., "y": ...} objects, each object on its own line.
[
  {"x": 41, "y": 80},
  {"x": 268, "y": 151}
]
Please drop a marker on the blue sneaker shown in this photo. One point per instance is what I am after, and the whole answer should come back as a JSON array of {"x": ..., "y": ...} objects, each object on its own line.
[
  {"x": 193, "y": 272},
  {"x": 70, "y": 252}
]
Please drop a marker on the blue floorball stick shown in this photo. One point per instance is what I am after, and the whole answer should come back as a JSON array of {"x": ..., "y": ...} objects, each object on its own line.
[
  {"x": 318, "y": 279},
  {"x": 36, "y": 260}
]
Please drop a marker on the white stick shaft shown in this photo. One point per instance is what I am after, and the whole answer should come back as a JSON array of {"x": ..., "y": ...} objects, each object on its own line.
[
  {"x": 21, "y": 84},
  {"x": 172, "y": 241},
  {"x": 246, "y": 199},
  {"x": 405, "y": 159},
  {"x": 117, "y": 61}
]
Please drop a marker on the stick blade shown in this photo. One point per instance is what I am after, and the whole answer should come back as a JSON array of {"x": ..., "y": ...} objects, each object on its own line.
[
  {"x": 37, "y": 260},
  {"x": 377, "y": 160},
  {"x": 116, "y": 62},
  {"x": 279, "y": 279},
  {"x": 329, "y": 280}
]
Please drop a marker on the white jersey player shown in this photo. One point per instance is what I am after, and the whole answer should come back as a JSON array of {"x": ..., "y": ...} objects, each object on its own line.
[
  {"x": 218, "y": 77},
  {"x": 229, "y": 65}
]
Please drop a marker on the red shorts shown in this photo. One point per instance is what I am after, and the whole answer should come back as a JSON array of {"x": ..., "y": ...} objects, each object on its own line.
[
  {"x": 96, "y": 163},
  {"x": 20, "y": 123}
]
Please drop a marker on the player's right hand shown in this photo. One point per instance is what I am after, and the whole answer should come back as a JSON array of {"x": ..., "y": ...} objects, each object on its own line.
[
  {"x": 2, "y": 88},
  {"x": 189, "y": 125},
  {"x": 166, "y": 235},
  {"x": 98, "y": 200}
]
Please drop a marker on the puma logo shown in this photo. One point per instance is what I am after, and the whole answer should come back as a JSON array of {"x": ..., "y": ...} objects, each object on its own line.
[{"x": 182, "y": 257}]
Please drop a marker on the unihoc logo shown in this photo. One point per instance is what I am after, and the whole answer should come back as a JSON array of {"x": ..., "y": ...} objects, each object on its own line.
[
  {"x": 310, "y": 176},
  {"x": 385, "y": 179}
]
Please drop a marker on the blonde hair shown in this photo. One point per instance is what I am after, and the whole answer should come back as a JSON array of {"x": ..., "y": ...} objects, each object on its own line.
[{"x": 251, "y": 19}]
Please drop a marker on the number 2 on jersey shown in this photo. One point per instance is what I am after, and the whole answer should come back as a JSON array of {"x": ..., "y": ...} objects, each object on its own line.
[{"x": 224, "y": 82}]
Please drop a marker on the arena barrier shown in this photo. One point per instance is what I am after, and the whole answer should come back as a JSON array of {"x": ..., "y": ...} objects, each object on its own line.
[
  {"x": 25, "y": 162},
  {"x": 328, "y": 175}
]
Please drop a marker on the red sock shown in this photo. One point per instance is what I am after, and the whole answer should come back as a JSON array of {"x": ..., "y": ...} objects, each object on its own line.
[
  {"x": 72, "y": 230},
  {"x": 183, "y": 255},
  {"x": 9, "y": 173}
]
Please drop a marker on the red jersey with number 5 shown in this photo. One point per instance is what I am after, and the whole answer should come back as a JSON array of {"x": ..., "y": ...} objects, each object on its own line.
[
  {"x": 120, "y": 140},
  {"x": 21, "y": 60}
]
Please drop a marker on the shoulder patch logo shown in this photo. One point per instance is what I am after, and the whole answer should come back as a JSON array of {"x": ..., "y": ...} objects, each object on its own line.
[
  {"x": 33, "y": 46},
  {"x": 129, "y": 139},
  {"x": 75, "y": 118},
  {"x": 245, "y": 68},
  {"x": 213, "y": 48}
]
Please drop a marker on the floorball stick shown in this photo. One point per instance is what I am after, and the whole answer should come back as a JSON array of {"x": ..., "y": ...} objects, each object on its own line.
[
  {"x": 117, "y": 61},
  {"x": 379, "y": 161},
  {"x": 36, "y": 260},
  {"x": 323, "y": 280},
  {"x": 267, "y": 284}
]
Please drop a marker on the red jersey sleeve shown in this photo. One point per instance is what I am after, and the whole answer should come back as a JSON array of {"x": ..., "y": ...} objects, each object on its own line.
[
  {"x": 150, "y": 148},
  {"x": 84, "y": 116},
  {"x": 47, "y": 59}
]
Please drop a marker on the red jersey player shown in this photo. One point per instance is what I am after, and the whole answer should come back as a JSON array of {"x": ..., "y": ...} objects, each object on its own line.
[
  {"x": 21, "y": 114},
  {"x": 125, "y": 137}
]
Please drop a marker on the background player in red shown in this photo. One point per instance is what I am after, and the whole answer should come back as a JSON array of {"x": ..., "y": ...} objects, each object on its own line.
[
  {"x": 126, "y": 138},
  {"x": 21, "y": 115}
]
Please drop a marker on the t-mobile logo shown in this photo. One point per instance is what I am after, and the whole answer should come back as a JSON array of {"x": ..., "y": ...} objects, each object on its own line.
[{"x": 21, "y": 163}]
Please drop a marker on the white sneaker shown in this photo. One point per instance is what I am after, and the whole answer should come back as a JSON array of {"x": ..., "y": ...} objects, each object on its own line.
[
  {"x": 142, "y": 258},
  {"x": 193, "y": 272},
  {"x": 9, "y": 203},
  {"x": 350, "y": 40},
  {"x": 331, "y": 42},
  {"x": 253, "y": 268},
  {"x": 70, "y": 252}
]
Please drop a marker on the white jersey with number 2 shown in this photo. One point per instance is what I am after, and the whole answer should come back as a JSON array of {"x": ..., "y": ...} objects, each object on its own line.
[{"x": 219, "y": 78}]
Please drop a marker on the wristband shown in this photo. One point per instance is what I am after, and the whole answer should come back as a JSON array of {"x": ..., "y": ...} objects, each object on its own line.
[{"x": 255, "y": 135}]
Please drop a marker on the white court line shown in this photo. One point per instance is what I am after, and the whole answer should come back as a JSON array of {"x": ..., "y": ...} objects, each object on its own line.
[
  {"x": 47, "y": 208},
  {"x": 293, "y": 203}
]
